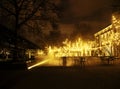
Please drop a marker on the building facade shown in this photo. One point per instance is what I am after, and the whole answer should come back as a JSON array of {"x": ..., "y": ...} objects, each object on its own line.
[{"x": 108, "y": 39}]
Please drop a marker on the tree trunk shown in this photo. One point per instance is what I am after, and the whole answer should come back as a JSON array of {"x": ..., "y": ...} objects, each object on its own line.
[{"x": 15, "y": 50}]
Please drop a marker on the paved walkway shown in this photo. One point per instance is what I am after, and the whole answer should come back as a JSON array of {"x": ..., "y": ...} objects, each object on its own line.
[{"x": 94, "y": 77}]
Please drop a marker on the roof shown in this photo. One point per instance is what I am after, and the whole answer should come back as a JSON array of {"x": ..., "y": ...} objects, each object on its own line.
[{"x": 108, "y": 28}]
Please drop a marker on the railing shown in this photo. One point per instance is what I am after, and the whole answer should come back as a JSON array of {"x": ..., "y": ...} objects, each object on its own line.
[{"x": 108, "y": 59}]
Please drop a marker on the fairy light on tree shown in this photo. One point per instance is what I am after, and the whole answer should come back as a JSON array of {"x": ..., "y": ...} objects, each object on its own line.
[{"x": 72, "y": 49}]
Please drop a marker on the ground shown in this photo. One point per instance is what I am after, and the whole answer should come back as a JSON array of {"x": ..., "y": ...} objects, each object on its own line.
[{"x": 90, "y": 77}]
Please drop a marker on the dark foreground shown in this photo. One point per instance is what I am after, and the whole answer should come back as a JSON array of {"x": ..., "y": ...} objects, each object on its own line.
[{"x": 96, "y": 77}]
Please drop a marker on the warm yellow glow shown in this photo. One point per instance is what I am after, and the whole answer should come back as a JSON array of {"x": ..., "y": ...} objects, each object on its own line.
[
  {"x": 38, "y": 64},
  {"x": 105, "y": 44},
  {"x": 40, "y": 53},
  {"x": 108, "y": 39},
  {"x": 72, "y": 49}
]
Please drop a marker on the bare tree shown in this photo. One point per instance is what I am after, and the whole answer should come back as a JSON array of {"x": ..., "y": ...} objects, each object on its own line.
[{"x": 19, "y": 13}]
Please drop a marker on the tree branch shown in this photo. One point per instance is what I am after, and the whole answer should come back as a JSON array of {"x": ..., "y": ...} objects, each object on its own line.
[
  {"x": 11, "y": 2},
  {"x": 7, "y": 10},
  {"x": 29, "y": 26},
  {"x": 30, "y": 15},
  {"x": 21, "y": 4}
]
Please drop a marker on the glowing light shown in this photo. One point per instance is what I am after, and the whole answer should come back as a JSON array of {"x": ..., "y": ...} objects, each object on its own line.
[
  {"x": 38, "y": 64},
  {"x": 72, "y": 49},
  {"x": 108, "y": 39},
  {"x": 40, "y": 53}
]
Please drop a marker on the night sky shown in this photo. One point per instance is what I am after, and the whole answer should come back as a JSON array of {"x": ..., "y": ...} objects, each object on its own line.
[{"x": 85, "y": 17}]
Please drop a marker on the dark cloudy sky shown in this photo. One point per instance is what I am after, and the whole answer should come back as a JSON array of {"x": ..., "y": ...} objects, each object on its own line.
[{"x": 85, "y": 17}]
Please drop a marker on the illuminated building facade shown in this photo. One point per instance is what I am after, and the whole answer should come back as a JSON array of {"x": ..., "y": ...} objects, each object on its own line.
[{"x": 108, "y": 39}]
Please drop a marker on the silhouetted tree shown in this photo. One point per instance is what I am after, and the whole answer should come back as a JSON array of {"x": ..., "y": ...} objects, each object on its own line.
[{"x": 15, "y": 14}]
